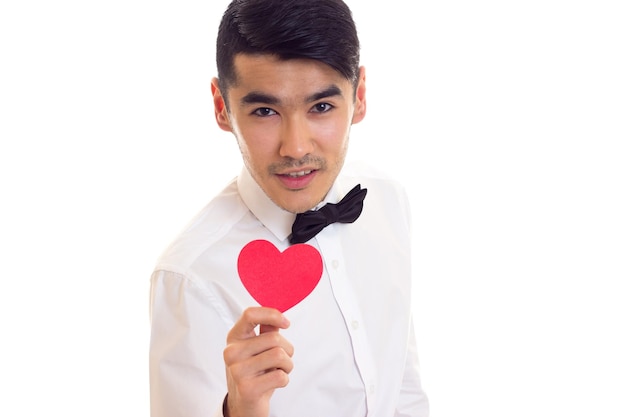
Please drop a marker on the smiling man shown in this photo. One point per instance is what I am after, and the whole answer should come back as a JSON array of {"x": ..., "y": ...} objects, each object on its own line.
[
  {"x": 291, "y": 119},
  {"x": 289, "y": 88}
]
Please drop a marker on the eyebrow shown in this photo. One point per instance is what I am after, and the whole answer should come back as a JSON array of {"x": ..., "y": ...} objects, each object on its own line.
[
  {"x": 256, "y": 97},
  {"x": 331, "y": 91}
]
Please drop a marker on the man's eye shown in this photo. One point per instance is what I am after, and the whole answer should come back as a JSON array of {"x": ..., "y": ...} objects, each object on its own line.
[
  {"x": 264, "y": 112},
  {"x": 322, "y": 107}
]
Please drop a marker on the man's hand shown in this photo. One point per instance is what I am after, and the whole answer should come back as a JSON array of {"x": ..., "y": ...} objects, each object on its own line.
[{"x": 256, "y": 364}]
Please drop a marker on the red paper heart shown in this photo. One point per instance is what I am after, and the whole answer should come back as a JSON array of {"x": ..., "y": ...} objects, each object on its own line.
[{"x": 279, "y": 280}]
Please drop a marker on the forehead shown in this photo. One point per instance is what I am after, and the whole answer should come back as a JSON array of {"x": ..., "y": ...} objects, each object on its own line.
[{"x": 285, "y": 78}]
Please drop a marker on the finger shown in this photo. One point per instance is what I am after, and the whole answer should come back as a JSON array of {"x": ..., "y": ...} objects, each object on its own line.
[
  {"x": 241, "y": 350},
  {"x": 254, "y": 316},
  {"x": 265, "y": 328},
  {"x": 260, "y": 385},
  {"x": 261, "y": 364}
]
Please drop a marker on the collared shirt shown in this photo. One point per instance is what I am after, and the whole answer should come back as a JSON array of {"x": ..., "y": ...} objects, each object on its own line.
[{"x": 355, "y": 350}]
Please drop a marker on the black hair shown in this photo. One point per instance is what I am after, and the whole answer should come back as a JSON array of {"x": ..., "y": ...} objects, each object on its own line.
[{"x": 323, "y": 30}]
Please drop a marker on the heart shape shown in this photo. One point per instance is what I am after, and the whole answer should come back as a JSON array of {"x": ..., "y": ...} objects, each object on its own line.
[{"x": 279, "y": 279}]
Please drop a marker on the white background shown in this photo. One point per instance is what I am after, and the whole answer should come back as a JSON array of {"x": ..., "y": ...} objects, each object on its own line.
[{"x": 505, "y": 120}]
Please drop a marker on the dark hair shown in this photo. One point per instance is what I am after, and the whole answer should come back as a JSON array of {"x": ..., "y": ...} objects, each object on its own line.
[{"x": 322, "y": 30}]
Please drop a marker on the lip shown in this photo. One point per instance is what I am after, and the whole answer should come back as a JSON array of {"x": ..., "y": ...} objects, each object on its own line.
[{"x": 297, "y": 182}]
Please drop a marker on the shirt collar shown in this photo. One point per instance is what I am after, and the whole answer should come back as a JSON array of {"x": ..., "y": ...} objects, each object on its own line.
[{"x": 274, "y": 218}]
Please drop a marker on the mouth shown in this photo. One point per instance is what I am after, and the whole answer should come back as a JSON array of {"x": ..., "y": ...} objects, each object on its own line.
[
  {"x": 299, "y": 173},
  {"x": 297, "y": 180}
]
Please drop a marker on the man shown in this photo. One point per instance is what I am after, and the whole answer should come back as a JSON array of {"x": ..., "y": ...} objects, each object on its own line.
[{"x": 290, "y": 86}]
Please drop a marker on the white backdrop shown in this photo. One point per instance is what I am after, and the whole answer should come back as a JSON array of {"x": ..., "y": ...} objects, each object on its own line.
[{"x": 505, "y": 120}]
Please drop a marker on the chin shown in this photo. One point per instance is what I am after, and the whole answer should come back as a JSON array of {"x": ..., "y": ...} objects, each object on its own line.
[{"x": 299, "y": 206}]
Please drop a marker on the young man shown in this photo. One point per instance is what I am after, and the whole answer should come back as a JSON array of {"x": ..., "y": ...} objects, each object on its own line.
[{"x": 289, "y": 89}]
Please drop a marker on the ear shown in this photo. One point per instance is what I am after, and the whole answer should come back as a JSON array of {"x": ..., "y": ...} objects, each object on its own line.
[
  {"x": 221, "y": 114},
  {"x": 360, "y": 103}
]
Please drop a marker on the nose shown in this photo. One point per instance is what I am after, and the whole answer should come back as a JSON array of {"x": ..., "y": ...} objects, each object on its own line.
[{"x": 296, "y": 138}]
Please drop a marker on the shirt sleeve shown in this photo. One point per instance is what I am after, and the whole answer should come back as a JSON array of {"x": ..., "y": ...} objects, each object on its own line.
[
  {"x": 413, "y": 401},
  {"x": 187, "y": 376}
]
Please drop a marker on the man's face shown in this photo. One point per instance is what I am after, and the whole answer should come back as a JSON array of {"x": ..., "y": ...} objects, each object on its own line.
[{"x": 292, "y": 120}]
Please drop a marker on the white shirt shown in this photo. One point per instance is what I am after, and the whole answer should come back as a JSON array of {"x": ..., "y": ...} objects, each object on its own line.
[{"x": 355, "y": 351}]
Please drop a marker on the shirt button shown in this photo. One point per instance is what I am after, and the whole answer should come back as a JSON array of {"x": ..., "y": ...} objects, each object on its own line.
[
  {"x": 335, "y": 263},
  {"x": 355, "y": 324},
  {"x": 371, "y": 389}
]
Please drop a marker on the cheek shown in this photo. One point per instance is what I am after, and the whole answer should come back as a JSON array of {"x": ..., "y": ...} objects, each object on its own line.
[
  {"x": 243, "y": 144},
  {"x": 263, "y": 135},
  {"x": 334, "y": 136},
  {"x": 255, "y": 146}
]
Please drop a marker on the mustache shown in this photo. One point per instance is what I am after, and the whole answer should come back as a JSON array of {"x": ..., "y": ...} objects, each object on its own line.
[{"x": 290, "y": 163}]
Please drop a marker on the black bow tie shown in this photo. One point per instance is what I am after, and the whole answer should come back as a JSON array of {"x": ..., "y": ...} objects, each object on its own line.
[{"x": 311, "y": 222}]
